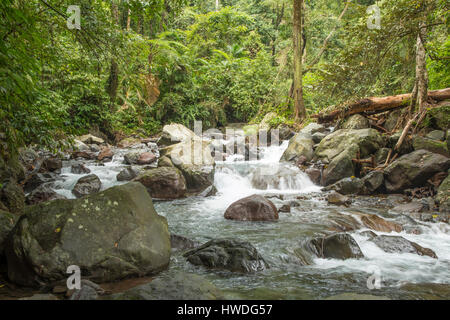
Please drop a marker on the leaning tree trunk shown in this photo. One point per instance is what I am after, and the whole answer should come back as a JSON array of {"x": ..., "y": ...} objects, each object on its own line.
[{"x": 299, "y": 105}]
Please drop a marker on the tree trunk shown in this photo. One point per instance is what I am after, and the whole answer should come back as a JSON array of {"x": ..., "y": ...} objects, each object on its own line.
[
  {"x": 421, "y": 70},
  {"x": 376, "y": 105},
  {"x": 299, "y": 105},
  {"x": 128, "y": 19}
]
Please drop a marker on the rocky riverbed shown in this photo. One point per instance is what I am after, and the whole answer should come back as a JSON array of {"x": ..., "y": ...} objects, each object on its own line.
[{"x": 299, "y": 219}]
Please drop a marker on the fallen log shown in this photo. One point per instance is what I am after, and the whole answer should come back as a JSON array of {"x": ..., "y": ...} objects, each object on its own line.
[{"x": 375, "y": 105}]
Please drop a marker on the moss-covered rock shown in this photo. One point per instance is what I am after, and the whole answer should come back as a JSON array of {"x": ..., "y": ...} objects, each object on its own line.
[
  {"x": 356, "y": 121},
  {"x": 13, "y": 197},
  {"x": 413, "y": 170},
  {"x": 440, "y": 116},
  {"x": 110, "y": 235},
  {"x": 7, "y": 222},
  {"x": 300, "y": 145},
  {"x": 432, "y": 145},
  {"x": 443, "y": 195}
]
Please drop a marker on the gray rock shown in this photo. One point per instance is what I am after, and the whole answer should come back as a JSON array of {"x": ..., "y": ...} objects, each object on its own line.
[
  {"x": 182, "y": 243},
  {"x": 12, "y": 196},
  {"x": 356, "y": 121},
  {"x": 338, "y": 199},
  {"x": 110, "y": 235},
  {"x": 7, "y": 222},
  {"x": 313, "y": 128},
  {"x": 181, "y": 286},
  {"x": 43, "y": 193},
  {"x": 438, "y": 135},
  {"x": 395, "y": 244},
  {"x": 127, "y": 174},
  {"x": 435, "y": 146},
  {"x": 318, "y": 136},
  {"x": 87, "y": 185},
  {"x": 340, "y": 246},
  {"x": 252, "y": 208},
  {"x": 300, "y": 145},
  {"x": 79, "y": 168},
  {"x": 413, "y": 170},
  {"x": 227, "y": 254},
  {"x": 163, "y": 182}
]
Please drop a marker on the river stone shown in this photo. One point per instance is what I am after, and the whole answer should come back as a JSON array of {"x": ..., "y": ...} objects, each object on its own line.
[
  {"x": 80, "y": 146},
  {"x": 440, "y": 116},
  {"x": 52, "y": 165},
  {"x": 284, "y": 132},
  {"x": 340, "y": 246},
  {"x": 79, "y": 168},
  {"x": 110, "y": 235},
  {"x": 105, "y": 154},
  {"x": 375, "y": 222},
  {"x": 163, "y": 182},
  {"x": 88, "y": 155},
  {"x": 318, "y": 136},
  {"x": 395, "y": 244},
  {"x": 131, "y": 157},
  {"x": 345, "y": 186},
  {"x": 413, "y": 170},
  {"x": 189, "y": 152},
  {"x": 146, "y": 158},
  {"x": 312, "y": 128},
  {"x": 227, "y": 254},
  {"x": 356, "y": 121},
  {"x": 443, "y": 195},
  {"x": 128, "y": 142},
  {"x": 43, "y": 193},
  {"x": 198, "y": 178},
  {"x": 180, "y": 286},
  {"x": 314, "y": 174},
  {"x": 91, "y": 139},
  {"x": 165, "y": 162},
  {"x": 338, "y": 199},
  {"x": 175, "y": 133},
  {"x": 87, "y": 185},
  {"x": 372, "y": 181},
  {"x": 38, "y": 179},
  {"x": 300, "y": 145},
  {"x": 181, "y": 243},
  {"x": 127, "y": 174},
  {"x": 430, "y": 145},
  {"x": 438, "y": 135},
  {"x": 252, "y": 208},
  {"x": 12, "y": 196}
]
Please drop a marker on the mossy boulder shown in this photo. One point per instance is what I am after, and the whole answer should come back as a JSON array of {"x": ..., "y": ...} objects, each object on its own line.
[
  {"x": 440, "y": 116},
  {"x": 110, "y": 235},
  {"x": 414, "y": 169},
  {"x": 340, "y": 246},
  {"x": 339, "y": 148},
  {"x": 198, "y": 178},
  {"x": 7, "y": 222},
  {"x": 12, "y": 196},
  {"x": 432, "y": 145},
  {"x": 356, "y": 121}
]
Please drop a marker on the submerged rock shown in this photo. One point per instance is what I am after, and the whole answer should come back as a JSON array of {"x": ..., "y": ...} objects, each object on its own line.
[
  {"x": 127, "y": 174},
  {"x": 252, "y": 208},
  {"x": 337, "y": 246},
  {"x": 227, "y": 254},
  {"x": 414, "y": 169},
  {"x": 163, "y": 182},
  {"x": 87, "y": 185},
  {"x": 79, "y": 168},
  {"x": 110, "y": 235},
  {"x": 395, "y": 244},
  {"x": 181, "y": 286},
  {"x": 181, "y": 243}
]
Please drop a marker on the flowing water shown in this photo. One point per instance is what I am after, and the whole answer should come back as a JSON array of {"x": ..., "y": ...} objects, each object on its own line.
[{"x": 201, "y": 219}]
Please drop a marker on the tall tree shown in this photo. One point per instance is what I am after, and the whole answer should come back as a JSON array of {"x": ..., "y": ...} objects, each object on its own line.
[{"x": 299, "y": 104}]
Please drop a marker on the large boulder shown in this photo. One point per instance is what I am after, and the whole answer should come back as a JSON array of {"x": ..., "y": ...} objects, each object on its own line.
[
  {"x": 312, "y": 128},
  {"x": 396, "y": 244},
  {"x": 337, "y": 246},
  {"x": 265, "y": 122},
  {"x": 163, "y": 182},
  {"x": 340, "y": 147},
  {"x": 127, "y": 174},
  {"x": 198, "y": 178},
  {"x": 252, "y": 208},
  {"x": 300, "y": 145},
  {"x": 431, "y": 145},
  {"x": 181, "y": 286},
  {"x": 79, "y": 168},
  {"x": 110, "y": 235},
  {"x": 413, "y": 170},
  {"x": 175, "y": 133},
  {"x": 190, "y": 152},
  {"x": 227, "y": 254},
  {"x": 87, "y": 185},
  {"x": 369, "y": 184},
  {"x": 43, "y": 193},
  {"x": 440, "y": 116},
  {"x": 356, "y": 121}
]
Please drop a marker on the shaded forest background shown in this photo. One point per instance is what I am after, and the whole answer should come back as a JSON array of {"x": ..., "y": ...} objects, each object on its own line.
[{"x": 137, "y": 65}]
